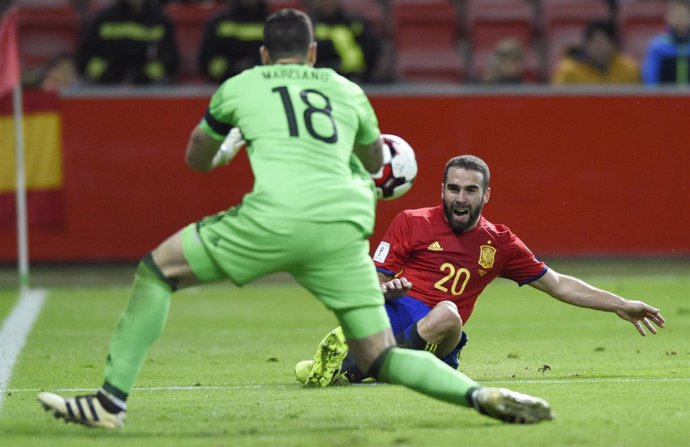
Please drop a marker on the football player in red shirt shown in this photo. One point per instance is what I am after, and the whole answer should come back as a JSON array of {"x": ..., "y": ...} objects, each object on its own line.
[{"x": 434, "y": 262}]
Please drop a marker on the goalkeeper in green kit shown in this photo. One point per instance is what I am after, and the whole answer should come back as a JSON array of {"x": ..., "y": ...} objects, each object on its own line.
[{"x": 312, "y": 139}]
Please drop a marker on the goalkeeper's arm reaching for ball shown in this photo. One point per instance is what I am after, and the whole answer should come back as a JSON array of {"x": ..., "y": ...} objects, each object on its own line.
[
  {"x": 204, "y": 153},
  {"x": 370, "y": 155}
]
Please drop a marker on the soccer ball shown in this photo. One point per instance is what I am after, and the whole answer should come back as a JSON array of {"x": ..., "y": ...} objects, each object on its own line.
[{"x": 399, "y": 168}]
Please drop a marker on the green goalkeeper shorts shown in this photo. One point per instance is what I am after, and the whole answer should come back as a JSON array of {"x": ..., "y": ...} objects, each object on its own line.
[{"x": 331, "y": 260}]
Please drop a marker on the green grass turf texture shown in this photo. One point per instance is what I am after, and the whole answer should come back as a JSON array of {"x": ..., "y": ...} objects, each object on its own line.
[{"x": 222, "y": 373}]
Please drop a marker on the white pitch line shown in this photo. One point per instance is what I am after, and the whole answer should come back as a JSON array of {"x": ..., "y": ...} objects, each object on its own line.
[
  {"x": 15, "y": 329},
  {"x": 155, "y": 388},
  {"x": 268, "y": 387},
  {"x": 595, "y": 380}
]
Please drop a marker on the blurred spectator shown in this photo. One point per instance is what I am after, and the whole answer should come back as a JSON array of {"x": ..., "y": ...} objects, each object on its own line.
[
  {"x": 129, "y": 41},
  {"x": 232, "y": 39},
  {"x": 81, "y": 7},
  {"x": 668, "y": 54},
  {"x": 345, "y": 43},
  {"x": 5, "y": 5},
  {"x": 61, "y": 73},
  {"x": 506, "y": 65},
  {"x": 598, "y": 60},
  {"x": 613, "y": 6}
]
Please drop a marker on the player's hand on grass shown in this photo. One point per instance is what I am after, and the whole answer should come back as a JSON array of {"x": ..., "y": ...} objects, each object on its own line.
[
  {"x": 396, "y": 288},
  {"x": 641, "y": 315}
]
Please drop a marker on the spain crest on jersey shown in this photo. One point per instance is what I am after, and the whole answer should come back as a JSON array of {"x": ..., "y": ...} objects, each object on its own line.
[{"x": 486, "y": 256}]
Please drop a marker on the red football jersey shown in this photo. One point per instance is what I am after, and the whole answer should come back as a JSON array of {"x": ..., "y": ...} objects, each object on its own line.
[{"x": 421, "y": 246}]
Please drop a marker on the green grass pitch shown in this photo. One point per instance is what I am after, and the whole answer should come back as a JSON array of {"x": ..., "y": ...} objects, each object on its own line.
[{"x": 222, "y": 373}]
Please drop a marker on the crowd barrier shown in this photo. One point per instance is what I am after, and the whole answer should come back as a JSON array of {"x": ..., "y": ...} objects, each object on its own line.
[{"x": 574, "y": 173}]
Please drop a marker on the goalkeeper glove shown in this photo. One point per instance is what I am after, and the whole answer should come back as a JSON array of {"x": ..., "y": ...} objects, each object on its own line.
[{"x": 232, "y": 144}]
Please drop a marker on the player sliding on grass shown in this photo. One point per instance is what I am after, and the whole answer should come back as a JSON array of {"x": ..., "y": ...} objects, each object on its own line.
[
  {"x": 311, "y": 138},
  {"x": 434, "y": 262}
]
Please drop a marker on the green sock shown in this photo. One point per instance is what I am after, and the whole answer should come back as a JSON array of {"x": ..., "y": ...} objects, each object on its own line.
[
  {"x": 423, "y": 372},
  {"x": 139, "y": 326}
]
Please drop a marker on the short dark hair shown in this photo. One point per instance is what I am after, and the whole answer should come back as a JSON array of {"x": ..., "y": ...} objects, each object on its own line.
[
  {"x": 607, "y": 27},
  {"x": 469, "y": 163},
  {"x": 288, "y": 33}
]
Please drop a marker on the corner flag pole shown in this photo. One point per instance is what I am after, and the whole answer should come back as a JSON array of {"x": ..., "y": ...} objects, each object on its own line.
[
  {"x": 22, "y": 221},
  {"x": 10, "y": 80}
]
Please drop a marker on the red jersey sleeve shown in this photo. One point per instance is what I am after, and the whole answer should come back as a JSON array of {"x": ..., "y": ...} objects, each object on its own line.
[
  {"x": 394, "y": 250},
  {"x": 522, "y": 266}
]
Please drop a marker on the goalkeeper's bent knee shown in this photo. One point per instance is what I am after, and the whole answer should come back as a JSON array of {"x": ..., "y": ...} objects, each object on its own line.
[{"x": 148, "y": 268}]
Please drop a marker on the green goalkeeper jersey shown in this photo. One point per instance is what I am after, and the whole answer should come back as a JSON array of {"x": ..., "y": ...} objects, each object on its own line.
[{"x": 300, "y": 124}]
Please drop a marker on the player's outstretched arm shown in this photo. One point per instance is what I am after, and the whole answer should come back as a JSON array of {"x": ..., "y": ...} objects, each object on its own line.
[{"x": 578, "y": 293}]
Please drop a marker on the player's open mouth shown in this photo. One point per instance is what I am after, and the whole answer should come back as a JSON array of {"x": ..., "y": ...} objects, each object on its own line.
[{"x": 462, "y": 212}]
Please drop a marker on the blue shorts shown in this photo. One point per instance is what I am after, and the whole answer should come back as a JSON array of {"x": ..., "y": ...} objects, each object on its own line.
[{"x": 403, "y": 313}]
